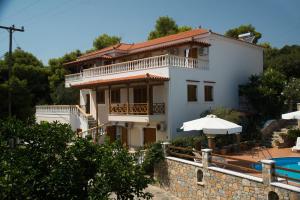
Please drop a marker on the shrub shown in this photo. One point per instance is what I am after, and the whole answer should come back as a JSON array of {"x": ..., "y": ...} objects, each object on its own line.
[
  {"x": 196, "y": 142},
  {"x": 48, "y": 162},
  {"x": 154, "y": 154},
  {"x": 292, "y": 136}
]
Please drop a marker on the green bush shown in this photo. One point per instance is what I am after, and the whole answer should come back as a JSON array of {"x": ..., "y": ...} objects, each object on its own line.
[
  {"x": 49, "y": 162},
  {"x": 292, "y": 135},
  {"x": 154, "y": 154},
  {"x": 196, "y": 142}
]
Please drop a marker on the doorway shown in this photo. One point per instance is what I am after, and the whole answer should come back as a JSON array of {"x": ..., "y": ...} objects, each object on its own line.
[
  {"x": 149, "y": 135},
  {"x": 111, "y": 132}
]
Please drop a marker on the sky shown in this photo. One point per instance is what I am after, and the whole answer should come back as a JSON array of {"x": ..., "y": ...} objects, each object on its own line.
[{"x": 56, "y": 27}]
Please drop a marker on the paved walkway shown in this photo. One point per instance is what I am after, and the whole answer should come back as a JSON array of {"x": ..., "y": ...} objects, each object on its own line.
[
  {"x": 160, "y": 194},
  {"x": 157, "y": 192}
]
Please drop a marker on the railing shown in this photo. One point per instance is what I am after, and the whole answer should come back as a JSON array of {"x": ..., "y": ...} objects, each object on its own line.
[
  {"x": 183, "y": 152},
  {"x": 137, "y": 108},
  {"x": 280, "y": 172},
  {"x": 94, "y": 132},
  {"x": 235, "y": 163},
  {"x": 140, "y": 64},
  {"x": 217, "y": 160},
  {"x": 68, "y": 109}
]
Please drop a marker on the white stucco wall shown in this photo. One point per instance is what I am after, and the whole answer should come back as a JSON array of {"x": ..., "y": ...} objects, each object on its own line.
[{"x": 231, "y": 63}]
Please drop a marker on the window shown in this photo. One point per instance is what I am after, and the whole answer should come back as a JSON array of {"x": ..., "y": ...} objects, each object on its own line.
[
  {"x": 140, "y": 95},
  {"x": 115, "y": 95},
  {"x": 203, "y": 51},
  {"x": 208, "y": 93},
  {"x": 101, "y": 96},
  {"x": 192, "y": 93}
]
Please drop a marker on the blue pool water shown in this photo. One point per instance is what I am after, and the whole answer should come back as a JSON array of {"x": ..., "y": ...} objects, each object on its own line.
[{"x": 287, "y": 162}]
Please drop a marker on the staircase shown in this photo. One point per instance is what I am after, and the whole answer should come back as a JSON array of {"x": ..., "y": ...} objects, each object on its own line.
[{"x": 91, "y": 122}]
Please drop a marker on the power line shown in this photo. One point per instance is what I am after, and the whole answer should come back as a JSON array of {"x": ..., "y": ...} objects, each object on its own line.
[
  {"x": 43, "y": 13},
  {"x": 17, "y": 13},
  {"x": 16, "y": 42}
]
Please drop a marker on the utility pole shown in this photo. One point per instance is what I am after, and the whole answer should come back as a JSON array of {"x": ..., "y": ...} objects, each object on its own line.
[{"x": 11, "y": 30}]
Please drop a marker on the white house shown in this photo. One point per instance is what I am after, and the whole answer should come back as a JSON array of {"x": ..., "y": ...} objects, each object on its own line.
[{"x": 143, "y": 92}]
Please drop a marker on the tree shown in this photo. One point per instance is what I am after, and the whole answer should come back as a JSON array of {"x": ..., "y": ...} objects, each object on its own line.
[
  {"x": 105, "y": 40},
  {"x": 235, "y": 32},
  {"x": 291, "y": 92},
  {"x": 118, "y": 174},
  {"x": 285, "y": 60},
  {"x": 49, "y": 162},
  {"x": 166, "y": 26},
  {"x": 29, "y": 84},
  {"x": 60, "y": 94},
  {"x": 265, "y": 93}
]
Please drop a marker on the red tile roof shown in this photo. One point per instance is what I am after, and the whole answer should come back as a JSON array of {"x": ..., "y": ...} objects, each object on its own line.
[
  {"x": 121, "y": 80},
  {"x": 169, "y": 38},
  {"x": 129, "y": 48}
]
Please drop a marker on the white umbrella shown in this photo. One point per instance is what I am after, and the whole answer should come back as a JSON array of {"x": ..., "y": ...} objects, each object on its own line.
[
  {"x": 291, "y": 115},
  {"x": 212, "y": 125}
]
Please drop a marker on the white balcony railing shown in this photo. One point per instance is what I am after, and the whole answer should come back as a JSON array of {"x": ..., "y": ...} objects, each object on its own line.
[
  {"x": 62, "y": 109},
  {"x": 141, "y": 64}
]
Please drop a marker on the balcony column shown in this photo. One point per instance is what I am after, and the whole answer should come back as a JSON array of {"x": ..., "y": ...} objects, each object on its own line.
[
  {"x": 97, "y": 115},
  {"x": 148, "y": 98},
  {"x": 127, "y": 99}
]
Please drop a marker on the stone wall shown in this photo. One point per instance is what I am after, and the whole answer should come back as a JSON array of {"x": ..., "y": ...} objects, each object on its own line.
[{"x": 180, "y": 177}]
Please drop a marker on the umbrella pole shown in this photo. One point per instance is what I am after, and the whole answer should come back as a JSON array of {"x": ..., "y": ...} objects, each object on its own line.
[
  {"x": 238, "y": 141},
  {"x": 211, "y": 142}
]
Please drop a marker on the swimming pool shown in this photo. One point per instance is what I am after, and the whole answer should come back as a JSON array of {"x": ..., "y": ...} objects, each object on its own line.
[{"x": 286, "y": 162}]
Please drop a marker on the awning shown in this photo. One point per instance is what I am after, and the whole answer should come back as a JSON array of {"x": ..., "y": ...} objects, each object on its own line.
[{"x": 120, "y": 80}]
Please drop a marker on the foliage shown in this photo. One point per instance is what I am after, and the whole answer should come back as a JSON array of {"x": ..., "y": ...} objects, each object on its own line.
[
  {"x": 118, "y": 173},
  {"x": 265, "y": 92},
  {"x": 166, "y": 26},
  {"x": 291, "y": 92},
  {"x": 285, "y": 60},
  {"x": 235, "y": 32},
  {"x": 29, "y": 84},
  {"x": 154, "y": 154},
  {"x": 227, "y": 114},
  {"x": 105, "y": 40},
  {"x": 60, "y": 94},
  {"x": 196, "y": 142},
  {"x": 293, "y": 134},
  {"x": 49, "y": 163}
]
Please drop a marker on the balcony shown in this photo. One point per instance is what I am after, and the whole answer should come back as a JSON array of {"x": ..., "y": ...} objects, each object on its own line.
[
  {"x": 137, "y": 112},
  {"x": 135, "y": 65}
]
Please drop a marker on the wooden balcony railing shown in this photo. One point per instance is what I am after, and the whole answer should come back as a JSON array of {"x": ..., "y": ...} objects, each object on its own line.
[
  {"x": 137, "y": 108},
  {"x": 140, "y": 64}
]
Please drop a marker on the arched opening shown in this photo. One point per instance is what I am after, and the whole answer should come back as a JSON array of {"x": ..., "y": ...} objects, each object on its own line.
[
  {"x": 273, "y": 196},
  {"x": 199, "y": 176}
]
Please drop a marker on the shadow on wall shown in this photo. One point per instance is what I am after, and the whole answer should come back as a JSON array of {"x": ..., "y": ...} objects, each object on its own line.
[{"x": 162, "y": 174}]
